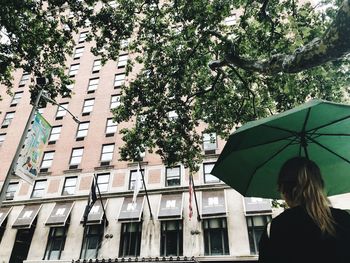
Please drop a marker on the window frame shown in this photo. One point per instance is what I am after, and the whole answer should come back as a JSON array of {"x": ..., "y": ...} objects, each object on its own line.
[
  {"x": 87, "y": 107},
  {"x": 61, "y": 110},
  {"x": 111, "y": 127},
  {"x": 167, "y": 169},
  {"x": 115, "y": 101},
  {"x": 209, "y": 232},
  {"x": 76, "y": 154},
  {"x": 52, "y": 239},
  {"x": 210, "y": 146},
  {"x": 205, "y": 174},
  {"x": 73, "y": 69},
  {"x": 24, "y": 78},
  {"x": 9, "y": 116},
  {"x": 15, "y": 98},
  {"x": 11, "y": 190},
  {"x": 118, "y": 81},
  {"x": 103, "y": 153},
  {"x": 164, "y": 237},
  {"x": 252, "y": 230},
  {"x": 39, "y": 190},
  {"x": 129, "y": 238},
  {"x": 132, "y": 180},
  {"x": 66, "y": 192},
  {"x": 2, "y": 138},
  {"x": 55, "y": 134},
  {"x": 122, "y": 60},
  {"x": 97, "y": 233},
  {"x": 78, "y": 52},
  {"x": 49, "y": 161},
  {"x": 103, "y": 186},
  {"x": 79, "y": 130},
  {"x": 93, "y": 84},
  {"x": 96, "y": 65},
  {"x": 82, "y": 36}
]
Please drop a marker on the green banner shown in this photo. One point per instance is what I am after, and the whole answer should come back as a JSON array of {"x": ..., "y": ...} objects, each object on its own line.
[{"x": 28, "y": 165}]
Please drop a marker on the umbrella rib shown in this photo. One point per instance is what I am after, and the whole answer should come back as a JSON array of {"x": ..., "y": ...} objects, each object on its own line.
[
  {"x": 279, "y": 128},
  {"x": 330, "y": 123},
  {"x": 261, "y": 165},
  {"x": 326, "y": 148},
  {"x": 331, "y": 134}
]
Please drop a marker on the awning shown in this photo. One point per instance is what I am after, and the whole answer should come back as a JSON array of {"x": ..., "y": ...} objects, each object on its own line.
[
  {"x": 213, "y": 203},
  {"x": 253, "y": 205},
  {"x": 131, "y": 212},
  {"x": 27, "y": 216},
  {"x": 4, "y": 213},
  {"x": 59, "y": 214},
  {"x": 170, "y": 206},
  {"x": 96, "y": 213}
]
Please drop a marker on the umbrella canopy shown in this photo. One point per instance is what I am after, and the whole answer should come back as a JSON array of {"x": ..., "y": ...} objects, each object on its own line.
[{"x": 319, "y": 130}]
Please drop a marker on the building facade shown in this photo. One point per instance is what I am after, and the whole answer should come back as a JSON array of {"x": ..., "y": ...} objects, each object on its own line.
[{"x": 42, "y": 222}]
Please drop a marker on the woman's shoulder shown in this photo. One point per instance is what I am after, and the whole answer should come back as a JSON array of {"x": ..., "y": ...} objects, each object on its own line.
[{"x": 341, "y": 215}]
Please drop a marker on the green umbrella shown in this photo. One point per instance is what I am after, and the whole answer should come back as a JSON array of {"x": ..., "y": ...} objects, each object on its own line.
[{"x": 319, "y": 130}]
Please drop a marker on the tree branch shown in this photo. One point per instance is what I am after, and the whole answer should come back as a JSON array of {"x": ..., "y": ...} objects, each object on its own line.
[{"x": 334, "y": 44}]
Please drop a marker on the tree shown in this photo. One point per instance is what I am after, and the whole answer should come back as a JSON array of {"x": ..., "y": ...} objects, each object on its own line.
[{"x": 249, "y": 76}]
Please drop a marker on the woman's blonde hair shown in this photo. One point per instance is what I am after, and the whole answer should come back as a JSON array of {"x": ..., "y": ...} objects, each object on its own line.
[{"x": 301, "y": 183}]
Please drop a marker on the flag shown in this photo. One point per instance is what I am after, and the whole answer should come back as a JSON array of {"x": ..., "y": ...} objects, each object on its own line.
[
  {"x": 137, "y": 184},
  {"x": 91, "y": 201},
  {"x": 190, "y": 193}
]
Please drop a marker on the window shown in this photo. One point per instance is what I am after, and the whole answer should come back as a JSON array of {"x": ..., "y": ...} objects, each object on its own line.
[
  {"x": 8, "y": 118},
  {"x": 55, "y": 242},
  {"x": 208, "y": 177},
  {"x": 2, "y": 137},
  {"x": 111, "y": 126},
  {"x": 215, "y": 236},
  {"x": 231, "y": 20},
  {"x": 70, "y": 86},
  {"x": 119, "y": 80},
  {"x": 82, "y": 37},
  {"x": 24, "y": 79},
  {"x": 78, "y": 53},
  {"x": 47, "y": 161},
  {"x": 73, "y": 70},
  {"x": 92, "y": 241},
  {"x": 96, "y": 66},
  {"x": 69, "y": 186},
  {"x": 115, "y": 101},
  {"x": 172, "y": 115},
  {"x": 209, "y": 142},
  {"x": 16, "y": 98},
  {"x": 171, "y": 238},
  {"x": 83, "y": 129},
  {"x": 55, "y": 133},
  {"x": 88, "y": 106},
  {"x": 122, "y": 61},
  {"x": 39, "y": 189},
  {"x": 93, "y": 83},
  {"x": 61, "y": 110},
  {"x": 130, "y": 239},
  {"x": 107, "y": 153},
  {"x": 75, "y": 159},
  {"x": 256, "y": 226},
  {"x": 11, "y": 191},
  {"x": 103, "y": 181},
  {"x": 173, "y": 176},
  {"x": 133, "y": 177}
]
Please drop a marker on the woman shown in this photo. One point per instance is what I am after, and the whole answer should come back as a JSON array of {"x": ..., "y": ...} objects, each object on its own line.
[{"x": 309, "y": 231}]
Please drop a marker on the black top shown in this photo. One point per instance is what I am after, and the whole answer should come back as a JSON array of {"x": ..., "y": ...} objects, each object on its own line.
[{"x": 295, "y": 238}]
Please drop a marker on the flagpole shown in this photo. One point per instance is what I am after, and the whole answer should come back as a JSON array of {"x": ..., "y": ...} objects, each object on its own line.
[
  {"x": 195, "y": 198},
  {"x": 144, "y": 185},
  {"x": 19, "y": 148},
  {"x": 99, "y": 194}
]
